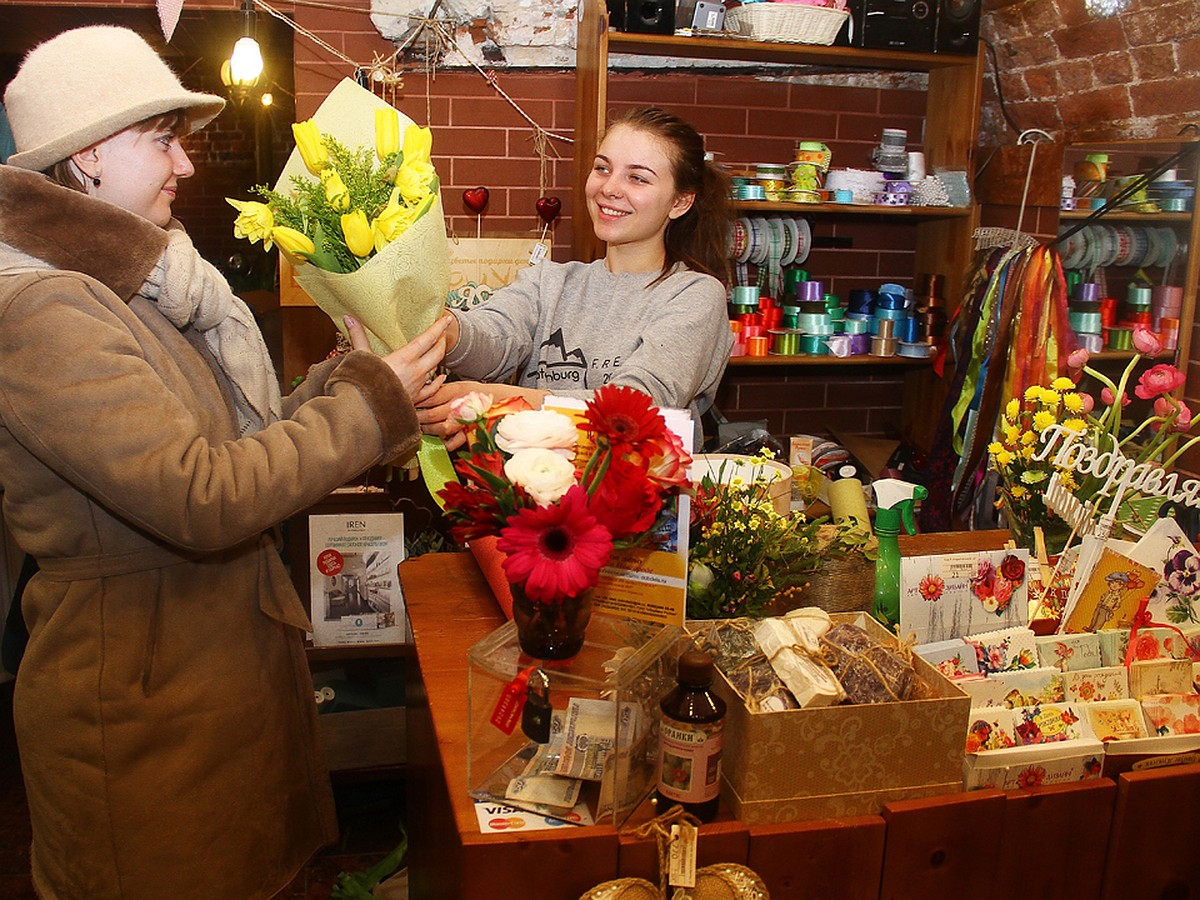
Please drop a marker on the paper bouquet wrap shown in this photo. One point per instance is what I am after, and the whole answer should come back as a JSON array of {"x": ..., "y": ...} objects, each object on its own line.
[{"x": 401, "y": 290}]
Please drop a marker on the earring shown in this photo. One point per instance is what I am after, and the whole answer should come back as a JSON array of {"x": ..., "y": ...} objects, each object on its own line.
[{"x": 95, "y": 181}]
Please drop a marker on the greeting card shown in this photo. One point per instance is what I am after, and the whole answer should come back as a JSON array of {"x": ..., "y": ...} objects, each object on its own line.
[
  {"x": 1111, "y": 594},
  {"x": 1046, "y": 724},
  {"x": 1113, "y": 645},
  {"x": 1034, "y": 765},
  {"x": 1050, "y": 586},
  {"x": 1116, "y": 720},
  {"x": 1069, "y": 652},
  {"x": 990, "y": 728},
  {"x": 1173, "y": 713},
  {"x": 1026, "y": 687},
  {"x": 1004, "y": 650},
  {"x": 1154, "y": 643},
  {"x": 953, "y": 658},
  {"x": 1090, "y": 685},
  {"x": 953, "y": 595},
  {"x": 1165, "y": 548},
  {"x": 1160, "y": 676}
]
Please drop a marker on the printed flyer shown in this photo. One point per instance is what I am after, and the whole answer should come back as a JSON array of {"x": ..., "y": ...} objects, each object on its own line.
[{"x": 356, "y": 595}]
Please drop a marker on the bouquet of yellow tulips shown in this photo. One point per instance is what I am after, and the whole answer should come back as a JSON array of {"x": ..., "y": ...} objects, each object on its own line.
[{"x": 362, "y": 226}]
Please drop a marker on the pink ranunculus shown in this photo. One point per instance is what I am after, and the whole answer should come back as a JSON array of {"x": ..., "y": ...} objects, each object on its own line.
[
  {"x": 1161, "y": 379},
  {"x": 1166, "y": 406},
  {"x": 1106, "y": 395},
  {"x": 1076, "y": 360},
  {"x": 1146, "y": 342},
  {"x": 1089, "y": 402}
]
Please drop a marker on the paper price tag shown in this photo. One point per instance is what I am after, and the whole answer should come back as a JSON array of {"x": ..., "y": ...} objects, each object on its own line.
[
  {"x": 508, "y": 709},
  {"x": 539, "y": 253},
  {"x": 681, "y": 858}
]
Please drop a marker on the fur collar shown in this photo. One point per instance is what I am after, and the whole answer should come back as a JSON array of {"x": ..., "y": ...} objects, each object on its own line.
[{"x": 77, "y": 233}]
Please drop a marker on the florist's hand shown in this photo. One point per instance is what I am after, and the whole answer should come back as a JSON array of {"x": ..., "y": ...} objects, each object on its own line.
[
  {"x": 434, "y": 414},
  {"x": 415, "y": 364}
]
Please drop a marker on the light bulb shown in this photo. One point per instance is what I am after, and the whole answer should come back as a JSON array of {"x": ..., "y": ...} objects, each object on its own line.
[
  {"x": 246, "y": 62},
  {"x": 266, "y": 99}
]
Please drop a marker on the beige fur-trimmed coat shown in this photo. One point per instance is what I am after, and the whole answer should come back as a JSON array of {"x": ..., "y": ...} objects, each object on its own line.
[{"x": 164, "y": 710}]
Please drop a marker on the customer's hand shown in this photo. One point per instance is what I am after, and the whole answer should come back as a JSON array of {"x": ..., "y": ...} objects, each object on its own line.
[
  {"x": 415, "y": 364},
  {"x": 434, "y": 411}
]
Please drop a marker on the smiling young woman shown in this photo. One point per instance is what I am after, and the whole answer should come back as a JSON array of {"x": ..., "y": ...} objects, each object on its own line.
[{"x": 651, "y": 315}]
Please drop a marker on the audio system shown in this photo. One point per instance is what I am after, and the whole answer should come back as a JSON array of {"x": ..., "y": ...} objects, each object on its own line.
[{"x": 916, "y": 26}]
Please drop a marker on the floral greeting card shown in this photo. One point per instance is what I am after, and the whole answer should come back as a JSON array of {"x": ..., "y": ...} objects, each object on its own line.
[
  {"x": 953, "y": 595},
  {"x": 1004, "y": 650},
  {"x": 990, "y": 728},
  {"x": 1046, "y": 724},
  {"x": 1160, "y": 676},
  {"x": 1091, "y": 685},
  {"x": 1117, "y": 720},
  {"x": 1111, "y": 595},
  {"x": 1069, "y": 652},
  {"x": 1173, "y": 713},
  {"x": 954, "y": 658},
  {"x": 1167, "y": 550},
  {"x": 1026, "y": 687}
]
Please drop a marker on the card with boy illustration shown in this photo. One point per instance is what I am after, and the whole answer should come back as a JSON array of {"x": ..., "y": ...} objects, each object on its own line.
[{"x": 1111, "y": 596}]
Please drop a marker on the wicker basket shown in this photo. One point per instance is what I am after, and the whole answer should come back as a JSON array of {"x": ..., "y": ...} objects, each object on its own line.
[
  {"x": 789, "y": 23},
  {"x": 846, "y": 584}
]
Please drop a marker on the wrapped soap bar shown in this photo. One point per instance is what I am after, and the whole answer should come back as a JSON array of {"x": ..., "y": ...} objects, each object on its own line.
[
  {"x": 868, "y": 671},
  {"x": 742, "y": 663},
  {"x": 792, "y": 645}
]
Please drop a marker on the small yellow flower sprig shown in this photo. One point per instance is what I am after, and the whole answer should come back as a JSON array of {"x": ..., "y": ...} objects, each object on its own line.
[
  {"x": 354, "y": 208},
  {"x": 1023, "y": 479}
]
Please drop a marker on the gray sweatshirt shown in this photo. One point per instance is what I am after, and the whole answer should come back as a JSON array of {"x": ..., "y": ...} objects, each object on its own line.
[{"x": 570, "y": 328}]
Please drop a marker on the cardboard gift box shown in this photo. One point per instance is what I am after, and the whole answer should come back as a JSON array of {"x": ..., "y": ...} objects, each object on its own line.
[{"x": 847, "y": 760}]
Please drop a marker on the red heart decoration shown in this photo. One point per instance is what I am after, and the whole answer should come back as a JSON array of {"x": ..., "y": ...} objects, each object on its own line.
[
  {"x": 476, "y": 199},
  {"x": 549, "y": 208}
]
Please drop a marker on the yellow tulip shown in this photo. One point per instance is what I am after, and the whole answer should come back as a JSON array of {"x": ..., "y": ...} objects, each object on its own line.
[
  {"x": 357, "y": 231},
  {"x": 414, "y": 180},
  {"x": 311, "y": 146},
  {"x": 293, "y": 243},
  {"x": 254, "y": 221},
  {"x": 393, "y": 221},
  {"x": 387, "y": 132},
  {"x": 418, "y": 144},
  {"x": 336, "y": 191}
]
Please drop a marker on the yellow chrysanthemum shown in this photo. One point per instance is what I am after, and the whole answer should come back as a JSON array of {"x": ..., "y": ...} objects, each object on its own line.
[
  {"x": 1043, "y": 419},
  {"x": 1067, "y": 477},
  {"x": 1028, "y": 438},
  {"x": 1049, "y": 398},
  {"x": 1012, "y": 433},
  {"x": 995, "y": 447},
  {"x": 1062, "y": 383},
  {"x": 1072, "y": 403},
  {"x": 1013, "y": 409},
  {"x": 1019, "y": 492},
  {"x": 1075, "y": 424},
  {"x": 1005, "y": 458},
  {"x": 1033, "y": 392},
  {"x": 1032, "y": 476}
]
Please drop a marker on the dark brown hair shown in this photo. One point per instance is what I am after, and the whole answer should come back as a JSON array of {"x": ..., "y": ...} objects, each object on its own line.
[
  {"x": 700, "y": 237},
  {"x": 63, "y": 173}
]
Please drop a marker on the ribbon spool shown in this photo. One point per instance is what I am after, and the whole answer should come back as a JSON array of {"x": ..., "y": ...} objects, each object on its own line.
[
  {"x": 1088, "y": 292},
  {"x": 813, "y": 344},
  {"x": 785, "y": 342},
  {"x": 912, "y": 350},
  {"x": 1139, "y": 295},
  {"x": 745, "y": 295},
  {"x": 1120, "y": 339},
  {"x": 810, "y": 292},
  {"x": 883, "y": 312},
  {"x": 815, "y": 323},
  {"x": 885, "y": 329},
  {"x": 1092, "y": 343},
  {"x": 757, "y": 346},
  {"x": 1084, "y": 322},
  {"x": 906, "y": 330},
  {"x": 856, "y": 326},
  {"x": 1169, "y": 332},
  {"x": 862, "y": 302},
  {"x": 860, "y": 344},
  {"x": 883, "y": 346}
]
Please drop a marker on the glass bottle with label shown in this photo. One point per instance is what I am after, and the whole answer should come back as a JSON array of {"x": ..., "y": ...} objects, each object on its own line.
[{"x": 689, "y": 740}]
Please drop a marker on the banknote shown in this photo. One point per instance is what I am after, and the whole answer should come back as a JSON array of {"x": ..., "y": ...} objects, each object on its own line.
[
  {"x": 551, "y": 790},
  {"x": 588, "y": 738}
]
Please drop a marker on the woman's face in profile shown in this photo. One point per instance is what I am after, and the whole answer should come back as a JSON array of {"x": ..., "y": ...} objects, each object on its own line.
[{"x": 140, "y": 171}]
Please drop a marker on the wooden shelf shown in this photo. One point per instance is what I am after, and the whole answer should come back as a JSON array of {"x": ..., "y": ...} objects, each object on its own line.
[
  {"x": 733, "y": 47},
  {"x": 854, "y": 209},
  {"x": 1167, "y": 218},
  {"x": 808, "y": 360}
]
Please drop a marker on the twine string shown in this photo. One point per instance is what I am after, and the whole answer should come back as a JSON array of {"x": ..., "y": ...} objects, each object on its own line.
[{"x": 660, "y": 829}]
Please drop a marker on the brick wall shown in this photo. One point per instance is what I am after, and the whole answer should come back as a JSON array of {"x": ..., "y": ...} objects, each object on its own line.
[{"x": 1133, "y": 75}]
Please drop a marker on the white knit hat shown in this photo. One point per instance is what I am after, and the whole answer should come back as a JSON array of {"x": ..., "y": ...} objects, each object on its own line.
[{"x": 88, "y": 84}]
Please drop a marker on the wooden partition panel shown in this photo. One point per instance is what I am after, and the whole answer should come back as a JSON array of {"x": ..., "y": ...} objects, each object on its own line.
[
  {"x": 1152, "y": 851},
  {"x": 944, "y": 846},
  {"x": 825, "y": 858}
]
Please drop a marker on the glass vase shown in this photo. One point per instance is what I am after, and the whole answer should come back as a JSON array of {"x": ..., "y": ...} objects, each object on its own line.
[
  {"x": 553, "y": 630},
  {"x": 1055, "y": 532}
]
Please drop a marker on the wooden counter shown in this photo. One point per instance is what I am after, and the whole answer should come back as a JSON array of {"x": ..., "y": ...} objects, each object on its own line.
[{"x": 1108, "y": 839}]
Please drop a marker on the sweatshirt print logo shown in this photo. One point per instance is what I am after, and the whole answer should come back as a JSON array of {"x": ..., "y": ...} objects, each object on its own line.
[{"x": 556, "y": 365}]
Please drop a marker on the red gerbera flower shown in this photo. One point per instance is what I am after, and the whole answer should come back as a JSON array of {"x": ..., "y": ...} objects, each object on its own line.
[
  {"x": 623, "y": 415},
  {"x": 626, "y": 501},
  {"x": 555, "y": 551}
]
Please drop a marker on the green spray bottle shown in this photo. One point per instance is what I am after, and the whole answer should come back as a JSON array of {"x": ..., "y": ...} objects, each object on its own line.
[{"x": 894, "y": 501}]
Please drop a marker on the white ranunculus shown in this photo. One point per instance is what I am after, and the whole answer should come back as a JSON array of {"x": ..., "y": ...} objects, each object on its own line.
[
  {"x": 542, "y": 428},
  {"x": 544, "y": 474}
]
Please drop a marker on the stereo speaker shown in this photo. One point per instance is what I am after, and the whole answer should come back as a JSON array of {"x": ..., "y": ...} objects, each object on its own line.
[
  {"x": 650, "y": 16},
  {"x": 957, "y": 26},
  {"x": 891, "y": 25}
]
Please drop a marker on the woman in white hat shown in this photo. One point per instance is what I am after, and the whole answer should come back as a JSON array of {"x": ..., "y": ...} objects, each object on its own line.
[{"x": 163, "y": 709}]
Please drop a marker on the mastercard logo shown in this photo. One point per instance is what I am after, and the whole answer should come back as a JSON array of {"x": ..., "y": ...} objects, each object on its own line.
[{"x": 501, "y": 823}]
